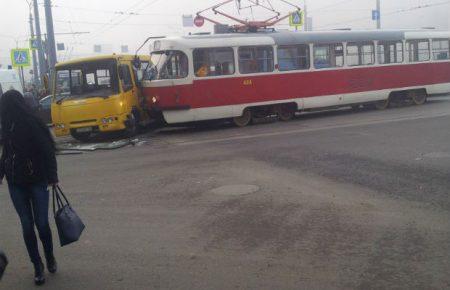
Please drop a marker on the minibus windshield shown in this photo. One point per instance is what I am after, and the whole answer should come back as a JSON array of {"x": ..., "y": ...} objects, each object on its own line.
[{"x": 87, "y": 80}]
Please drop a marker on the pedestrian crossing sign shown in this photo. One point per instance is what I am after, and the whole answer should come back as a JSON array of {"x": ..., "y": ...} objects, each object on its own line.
[
  {"x": 20, "y": 57},
  {"x": 33, "y": 44},
  {"x": 296, "y": 19}
]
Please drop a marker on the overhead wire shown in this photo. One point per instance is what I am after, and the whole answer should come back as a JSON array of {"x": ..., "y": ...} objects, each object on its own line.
[
  {"x": 100, "y": 30},
  {"x": 123, "y": 19},
  {"x": 106, "y": 26},
  {"x": 398, "y": 11},
  {"x": 320, "y": 9},
  {"x": 105, "y": 23},
  {"x": 115, "y": 12},
  {"x": 74, "y": 36}
]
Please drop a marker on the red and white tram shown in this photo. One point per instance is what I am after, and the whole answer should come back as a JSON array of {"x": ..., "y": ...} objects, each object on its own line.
[{"x": 238, "y": 76}]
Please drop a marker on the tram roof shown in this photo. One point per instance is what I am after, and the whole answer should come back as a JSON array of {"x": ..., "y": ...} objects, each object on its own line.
[{"x": 290, "y": 37}]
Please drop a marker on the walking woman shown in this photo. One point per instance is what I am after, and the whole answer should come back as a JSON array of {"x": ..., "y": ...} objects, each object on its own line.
[{"x": 29, "y": 163}]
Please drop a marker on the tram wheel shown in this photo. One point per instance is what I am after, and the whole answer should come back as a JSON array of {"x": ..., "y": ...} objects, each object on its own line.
[
  {"x": 418, "y": 97},
  {"x": 243, "y": 120},
  {"x": 285, "y": 112},
  {"x": 382, "y": 105}
]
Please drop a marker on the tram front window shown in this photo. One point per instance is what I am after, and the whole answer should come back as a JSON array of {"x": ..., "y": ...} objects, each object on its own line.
[{"x": 170, "y": 64}]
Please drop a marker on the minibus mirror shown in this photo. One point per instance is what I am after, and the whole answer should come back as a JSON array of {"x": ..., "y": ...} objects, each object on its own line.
[
  {"x": 139, "y": 77},
  {"x": 137, "y": 63}
]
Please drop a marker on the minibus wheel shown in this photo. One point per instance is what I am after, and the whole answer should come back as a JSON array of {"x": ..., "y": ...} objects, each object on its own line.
[{"x": 243, "y": 120}]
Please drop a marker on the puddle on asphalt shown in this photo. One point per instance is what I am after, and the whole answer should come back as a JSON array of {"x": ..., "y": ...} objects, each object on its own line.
[{"x": 235, "y": 190}]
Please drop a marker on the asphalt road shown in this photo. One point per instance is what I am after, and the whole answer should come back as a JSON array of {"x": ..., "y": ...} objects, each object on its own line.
[{"x": 336, "y": 200}]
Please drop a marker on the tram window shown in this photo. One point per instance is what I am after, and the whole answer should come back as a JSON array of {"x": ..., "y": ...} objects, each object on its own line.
[
  {"x": 390, "y": 52},
  {"x": 214, "y": 62},
  {"x": 418, "y": 50},
  {"x": 441, "y": 50},
  {"x": 256, "y": 59},
  {"x": 328, "y": 56},
  {"x": 176, "y": 66},
  {"x": 293, "y": 57},
  {"x": 360, "y": 54}
]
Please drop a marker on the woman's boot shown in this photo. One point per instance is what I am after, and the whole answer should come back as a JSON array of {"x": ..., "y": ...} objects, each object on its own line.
[
  {"x": 52, "y": 266},
  {"x": 39, "y": 278}
]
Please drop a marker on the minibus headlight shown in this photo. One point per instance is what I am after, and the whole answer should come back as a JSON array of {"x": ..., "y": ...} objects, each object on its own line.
[
  {"x": 108, "y": 120},
  {"x": 60, "y": 126}
]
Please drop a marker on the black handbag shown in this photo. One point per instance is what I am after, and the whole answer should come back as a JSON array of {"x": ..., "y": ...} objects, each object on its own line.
[{"x": 69, "y": 225}]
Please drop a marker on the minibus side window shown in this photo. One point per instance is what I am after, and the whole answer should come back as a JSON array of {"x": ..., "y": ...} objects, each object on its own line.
[
  {"x": 127, "y": 82},
  {"x": 418, "y": 50},
  {"x": 256, "y": 59},
  {"x": 441, "y": 50},
  {"x": 328, "y": 55},
  {"x": 390, "y": 52},
  {"x": 293, "y": 57},
  {"x": 360, "y": 54},
  {"x": 210, "y": 62}
]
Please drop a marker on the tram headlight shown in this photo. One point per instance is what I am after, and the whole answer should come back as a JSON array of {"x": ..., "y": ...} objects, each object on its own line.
[
  {"x": 60, "y": 126},
  {"x": 155, "y": 100}
]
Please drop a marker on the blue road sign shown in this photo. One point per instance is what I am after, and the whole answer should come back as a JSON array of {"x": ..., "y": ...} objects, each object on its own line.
[
  {"x": 33, "y": 44},
  {"x": 296, "y": 19},
  {"x": 20, "y": 57},
  {"x": 376, "y": 15}
]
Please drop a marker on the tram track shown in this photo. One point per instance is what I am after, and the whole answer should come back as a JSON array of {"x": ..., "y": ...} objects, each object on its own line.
[{"x": 384, "y": 117}]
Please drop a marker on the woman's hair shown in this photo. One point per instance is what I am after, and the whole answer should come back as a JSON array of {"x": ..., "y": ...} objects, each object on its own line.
[{"x": 14, "y": 109}]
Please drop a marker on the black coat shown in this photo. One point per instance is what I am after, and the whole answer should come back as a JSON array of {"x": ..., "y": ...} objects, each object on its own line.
[{"x": 28, "y": 155}]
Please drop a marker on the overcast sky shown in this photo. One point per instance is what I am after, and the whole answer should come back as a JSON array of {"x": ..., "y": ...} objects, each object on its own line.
[{"x": 163, "y": 17}]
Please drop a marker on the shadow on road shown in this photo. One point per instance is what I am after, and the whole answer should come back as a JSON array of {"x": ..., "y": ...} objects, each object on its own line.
[{"x": 110, "y": 140}]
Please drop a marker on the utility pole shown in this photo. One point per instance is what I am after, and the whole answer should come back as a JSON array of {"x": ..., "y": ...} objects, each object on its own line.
[
  {"x": 379, "y": 14},
  {"x": 35, "y": 65},
  {"x": 41, "y": 55},
  {"x": 51, "y": 46}
]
